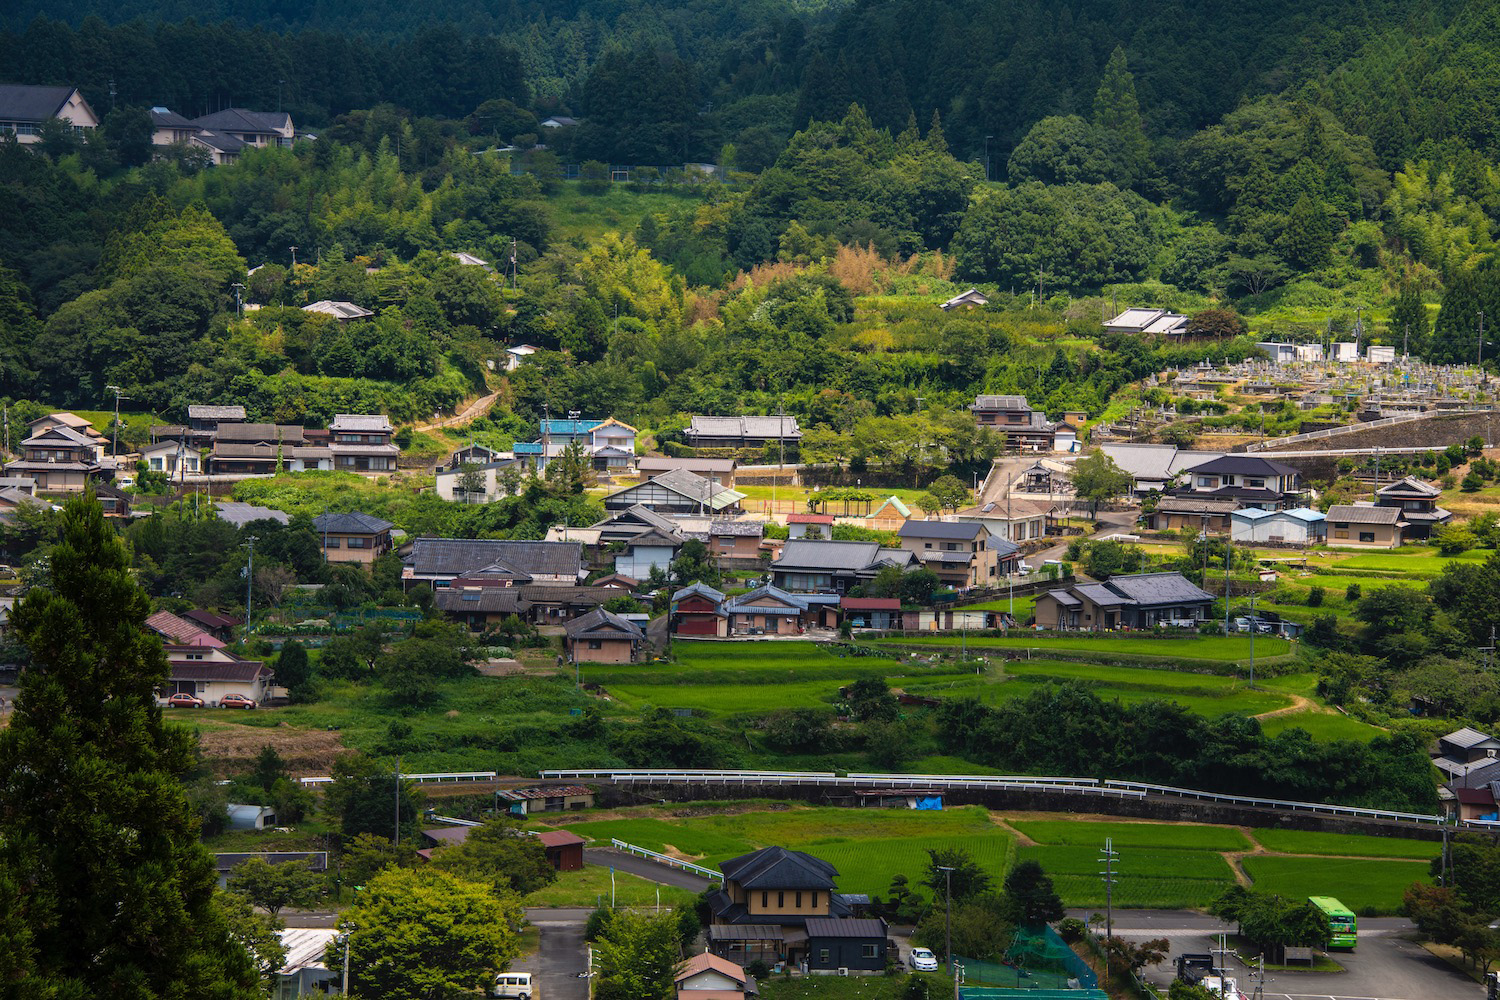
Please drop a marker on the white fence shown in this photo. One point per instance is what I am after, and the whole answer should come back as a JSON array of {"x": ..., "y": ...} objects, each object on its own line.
[
  {"x": 953, "y": 782},
  {"x": 440, "y": 778},
  {"x": 670, "y": 862}
]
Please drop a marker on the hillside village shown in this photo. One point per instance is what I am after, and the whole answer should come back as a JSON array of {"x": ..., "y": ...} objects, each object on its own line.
[{"x": 552, "y": 514}]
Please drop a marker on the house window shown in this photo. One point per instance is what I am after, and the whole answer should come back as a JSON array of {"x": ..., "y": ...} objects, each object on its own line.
[
  {"x": 358, "y": 543},
  {"x": 822, "y": 956},
  {"x": 1258, "y": 483},
  {"x": 1367, "y": 536},
  {"x": 765, "y": 900},
  {"x": 799, "y": 900},
  {"x": 815, "y": 895},
  {"x": 331, "y": 543},
  {"x": 780, "y": 900},
  {"x": 596, "y": 644},
  {"x": 867, "y": 951}
]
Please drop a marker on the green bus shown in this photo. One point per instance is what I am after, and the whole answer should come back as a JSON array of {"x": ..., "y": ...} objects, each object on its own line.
[{"x": 1341, "y": 923}]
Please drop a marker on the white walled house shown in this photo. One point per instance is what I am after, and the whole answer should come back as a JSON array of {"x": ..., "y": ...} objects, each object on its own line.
[{"x": 24, "y": 110}]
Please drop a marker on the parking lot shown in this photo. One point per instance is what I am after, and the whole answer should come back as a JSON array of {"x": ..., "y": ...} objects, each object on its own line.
[{"x": 1387, "y": 965}]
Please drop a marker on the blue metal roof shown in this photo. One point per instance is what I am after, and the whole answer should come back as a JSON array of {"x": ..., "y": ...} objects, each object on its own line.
[
  {"x": 569, "y": 426},
  {"x": 526, "y": 448}
]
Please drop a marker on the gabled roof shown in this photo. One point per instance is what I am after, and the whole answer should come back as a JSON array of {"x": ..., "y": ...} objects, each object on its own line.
[
  {"x": 709, "y": 962},
  {"x": 22, "y": 103},
  {"x": 779, "y": 868},
  {"x": 662, "y": 463},
  {"x": 211, "y": 619},
  {"x": 1242, "y": 465},
  {"x": 639, "y": 514},
  {"x": 352, "y": 523},
  {"x": 600, "y": 621},
  {"x": 775, "y": 426},
  {"x": 1158, "y": 588},
  {"x": 809, "y": 519},
  {"x": 745, "y": 602},
  {"x": 1466, "y": 738},
  {"x": 953, "y": 531},
  {"x": 482, "y": 600},
  {"x": 1363, "y": 514},
  {"x": 54, "y": 433},
  {"x": 828, "y": 555},
  {"x": 360, "y": 422},
  {"x": 457, "y": 556},
  {"x": 559, "y": 838},
  {"x": 169, "y": 626},
  {"x": 1187, "y": 504},
  {"x": 260, "y": 433},
  {"x": 699, "y": 590},
  {"x": 234, "y": 672},
  {"x": 846, "y": 927},
  {"x": 245, "y": 120},
  {"x": 689, "y": 486},
  {"x": 1001, "y": 403},
  {"x": 203, "y": 412},
  {"x": 222, "y": 141},
  {"x": 166, "y": 118},
  {"x": 1410, "y": 486},
  {"x": 338, "y": 310}
]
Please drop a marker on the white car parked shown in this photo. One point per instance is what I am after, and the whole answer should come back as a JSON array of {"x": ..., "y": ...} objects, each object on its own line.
[
  {"x": 923, "y": 960},
  {"x": 513, "y": 986}
]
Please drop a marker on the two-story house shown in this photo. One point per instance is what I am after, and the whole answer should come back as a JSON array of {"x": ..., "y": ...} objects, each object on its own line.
[
  {"x": 1417, "y": 502},
  {"x": 63, "y": 453},
  {"x": 806, "y": 566},
  {"x": 363, "y": 443},
  {"x": 252, "y": 128},
  {"x": 776, "y": 898},
  {"x": 353, "y": 537},
  {"x": 742, "y": 432},
  {"x": 1249, "y": 480},
  {"x": 1025, "y": 429},
  {"x": 25, "y": 109},
  {"x": 963, "y": 554}
]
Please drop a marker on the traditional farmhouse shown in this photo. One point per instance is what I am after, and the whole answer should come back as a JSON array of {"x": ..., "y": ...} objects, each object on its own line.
[
  {"x": 480, "y": 608},
  {"x": 742, "y": 432},
  {"x": 24, "y": 110},
  {"x": 603, "y": 637},
  {"x": 1417, "y": 502},
  {"x": 63, "y": 453},
  {"x": 1364, "y": 525},
  {"x": 766, "y": 611},
  {"x": 698, "y": 609},
  {"x": 545, "y": 798},
  {"x": 353, "y": 537},
  {"x": 1148, "y": 321},
  {"x": 484, "y": 562},
  {"x": 1299, "y": 526},
  {"x": 363, "y": 443},
  {"x": 963, "y": 554},
  {"x": 816, "y": 567},
  {"x": 1189, "y": 513},
  {"x": 1025, "y": 429},
  {"x": 1135, "y": 601},
  {"x": 678, "y": 492},
  {"x": 720, "y": 471}
]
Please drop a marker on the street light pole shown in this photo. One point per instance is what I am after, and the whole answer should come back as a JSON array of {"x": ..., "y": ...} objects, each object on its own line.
[{"x": 948, "y": 916}]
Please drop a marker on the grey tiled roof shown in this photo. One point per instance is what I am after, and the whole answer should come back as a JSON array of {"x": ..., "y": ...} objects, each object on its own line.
[
  {"x": 953, "y": 531},
  {"x": 201, "y": 412},
  {"x": 455, "y": 556},
  {"x": 1158, "y": 588},
  {"x": 487, "y": 600},
  {"x": 241, "y": 514},
  {"x": 601, "y": 621},
  {"x": 779, "y": 868},
  {"x": 360, "y": 422},
  {"x": 1359, "y": 514},
  {"x": 245, "y": 120},
  {"x": 846, "y": 927},
  {"x": 32, "y": 104},
  {"x": 352, "y": 523},
  {"x": 749, "y": 426},
  {"x": 817, "y": 554}
]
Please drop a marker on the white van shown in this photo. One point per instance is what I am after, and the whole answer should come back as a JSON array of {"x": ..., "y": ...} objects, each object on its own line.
[{"x": 513, "y": 986}]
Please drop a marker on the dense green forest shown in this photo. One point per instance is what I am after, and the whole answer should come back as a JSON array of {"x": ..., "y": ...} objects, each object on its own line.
[{"x": 1322, "y": 167}]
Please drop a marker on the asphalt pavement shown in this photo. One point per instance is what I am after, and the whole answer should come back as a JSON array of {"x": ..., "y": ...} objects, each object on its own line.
[
  {"x": 606, "y": 857},
  {"x": 560, "y": 955},
  {"x": 1387, "y": 965}
]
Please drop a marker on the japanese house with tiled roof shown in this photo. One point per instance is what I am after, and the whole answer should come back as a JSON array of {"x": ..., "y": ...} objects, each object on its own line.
[{"x": 1133, "y": 601}]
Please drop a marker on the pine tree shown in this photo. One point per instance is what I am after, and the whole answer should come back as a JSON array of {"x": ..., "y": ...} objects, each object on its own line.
[
  {"x": 936, "y": 141},
  {"x": 1117, "y": 111},
  {"x": 111, "y": 893}
]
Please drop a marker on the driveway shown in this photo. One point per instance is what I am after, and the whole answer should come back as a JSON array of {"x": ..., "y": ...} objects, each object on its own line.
[
  {"x": 1386, "y": 966},
  {"x": 606, "y": 857},
  {"x": 560, "y": 955}
]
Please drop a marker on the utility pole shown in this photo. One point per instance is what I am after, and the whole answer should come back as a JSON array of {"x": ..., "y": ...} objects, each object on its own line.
[
  {"x": 1254, "y": 627},
  {"x": 948, "y": 917},
  {"x": 1107, "y": 858},
  {"x": 1228, "y": 548},
  {"x": 239, "y": 302},
  {"x": 512, "y": 263},
  {"x": 111, "y": 93},
  {"x": 397, "y": 839},
  {"x": 294, "y": 257},
  {"x": 1481, "y": 340},
  {"x": 115, "y": 447},
  {"x": 987, "y": 173},
  {"x": 249, "y": 581}
]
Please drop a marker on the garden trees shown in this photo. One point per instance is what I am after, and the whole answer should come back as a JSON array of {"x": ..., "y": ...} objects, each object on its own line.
[
  {"x": 499, "y": 852},
  {"x": 1216, "y": 323},
  {"x": 638, "y": 956},
  {"x": 104, "y": 888},
  {"x": 1273, "y": 921},
  {"x": 1097, "y": 479},
  {"x": 362, "y": 795},
  {"x": 427, "y": 935},
  {"x": 293, "y": 671},
  {"x": 967, "y": 878},
  {"x": 1030, "y": 898},
  {"x": 271, "y": 887}
]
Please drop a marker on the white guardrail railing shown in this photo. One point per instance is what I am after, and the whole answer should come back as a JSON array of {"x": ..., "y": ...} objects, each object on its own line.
[
  {"x": 663, "y": 859},
  {"x": 440, "y": 778},
  {"x": 1088, "y": 786}
]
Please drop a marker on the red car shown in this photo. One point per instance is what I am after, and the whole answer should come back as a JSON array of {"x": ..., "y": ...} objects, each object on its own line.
[
  {"x": 184, "y": 701},
  {"x": 236, "y": 701}
]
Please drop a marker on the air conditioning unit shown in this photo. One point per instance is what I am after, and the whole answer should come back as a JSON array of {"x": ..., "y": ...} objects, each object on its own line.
[{"x": 843, "y": 970}]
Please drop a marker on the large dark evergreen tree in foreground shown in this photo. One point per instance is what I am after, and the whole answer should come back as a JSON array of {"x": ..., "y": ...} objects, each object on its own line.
[{"x": 104, "y": 888}]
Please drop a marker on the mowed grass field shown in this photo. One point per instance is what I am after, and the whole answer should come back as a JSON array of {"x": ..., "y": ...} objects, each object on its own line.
[
  {"x": 1363, "y": 886},
  {"x": 868, "y": 847}
]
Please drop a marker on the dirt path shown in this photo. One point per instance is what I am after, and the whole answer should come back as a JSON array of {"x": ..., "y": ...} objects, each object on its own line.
[
  {"x": 473, "y": 411},
  {"x": 1299, "y": 704}
]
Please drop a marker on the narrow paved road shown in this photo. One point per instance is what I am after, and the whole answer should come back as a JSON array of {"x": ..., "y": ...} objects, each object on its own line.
[
  {"x": 560, "y": 955},
  {"x": 606, "y": 857},
  {"x": 1385, "y": 966},
  {"x": 469, "y": 413}
]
